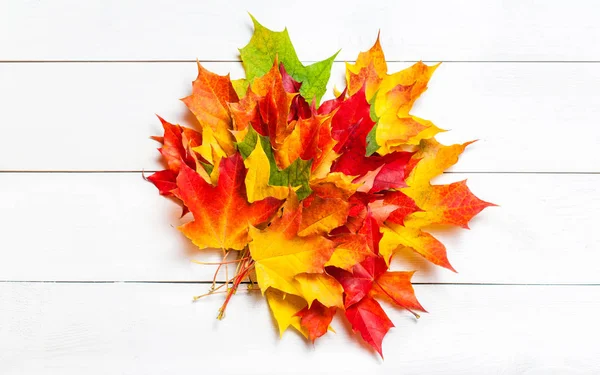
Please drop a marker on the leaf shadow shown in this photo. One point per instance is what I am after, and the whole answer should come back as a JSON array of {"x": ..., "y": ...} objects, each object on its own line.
[
  {"x": 406, "y": 259},
  {"x": 191, "y": 121}
]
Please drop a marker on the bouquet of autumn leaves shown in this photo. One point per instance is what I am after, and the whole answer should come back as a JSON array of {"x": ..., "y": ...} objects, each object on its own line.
[{"x": 312, "y": 201}]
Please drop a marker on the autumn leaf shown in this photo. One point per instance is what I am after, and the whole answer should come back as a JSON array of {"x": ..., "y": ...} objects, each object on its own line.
[
  {"x": 257, "y": 178},
  {"x": 299, "y": 107},
  {"x": 164, "y": 181},
  {"x": 222, "y": 214},
  {"x": 310, "y": 139},
  {"x": 177, "y": 143},
  {"x": 266, "y": 45},
  {"x": 297, "y": 174},
  {"x": 397, "y": 287},
  {"x": 273, "y": 106},
  {"x": 371, "y": 231},
  {"x": 368, "y": 318},
  {"x": 279, "y": 256},
  {"x": 245, "y": 113},
  {"x": 285, "y": 309},
  {"x": 330, "y": 105},
  {"x": 452, "y": 204},
  {"x": 398, "y": 91},
  {"x": 321, "y": 215},
  {"x": 350, "y": 249},
  {"x": 211, "y": 94},
  {"x": 397, "y": 236},
  {"x": 403, "y": 204},
  {"x": 433, "y": 159},
  {"x": 368, "y": 71},
  {"x": 316, "y": 319},
  {"x": 358, "y": 282},
  {"x": 320, "y": 287},
  {"x": 334, "y": 185}
]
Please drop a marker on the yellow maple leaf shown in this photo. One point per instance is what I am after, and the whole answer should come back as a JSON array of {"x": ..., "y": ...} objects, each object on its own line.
[
  {"x": 397, "y": 236},
  {"x": 434, "y": 158},
  {"x": 257, "y": 178},
  {"x": 320, "y": 287},
  {"x": 280, "y": 254},
  {"x": 284, "y": 308},
  {"x": 370, "y": 68}
]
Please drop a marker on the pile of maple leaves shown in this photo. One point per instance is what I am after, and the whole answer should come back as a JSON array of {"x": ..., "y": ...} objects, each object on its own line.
[{"x": 314, "y": 200}]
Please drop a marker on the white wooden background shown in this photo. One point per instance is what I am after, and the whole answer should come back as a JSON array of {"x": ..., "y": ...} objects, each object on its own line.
[{"x": 94, "y": 279}]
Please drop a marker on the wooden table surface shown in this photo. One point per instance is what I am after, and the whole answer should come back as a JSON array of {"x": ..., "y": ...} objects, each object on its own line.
[{"x": 95, "y": 279}]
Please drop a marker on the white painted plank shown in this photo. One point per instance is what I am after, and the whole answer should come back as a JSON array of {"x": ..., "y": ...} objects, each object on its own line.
[
  {"x": 213, "y": 30},
  {"x": 155, "y": 329},
  {"x": 98, "y": 116},
  {"x": 116, "y": 227}
]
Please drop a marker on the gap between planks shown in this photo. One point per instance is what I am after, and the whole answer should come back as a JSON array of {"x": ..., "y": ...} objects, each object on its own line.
[
  {"x": 304, "y": 62},
  {"x": 248, "y": 283},
  {"x": 153, "y": 171}
]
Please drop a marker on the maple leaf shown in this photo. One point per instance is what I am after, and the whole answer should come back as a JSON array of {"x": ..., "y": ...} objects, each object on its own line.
[
  {"x": 280, "y": 254},
  {"x": 358, "y": 282},
  {"x": 222, "y": 214},
  {"x": 245, "y": 112},
  {"x": 164, "y": 181},
  {"x": 316, "y": 319},
  {"x": 211, "y": 94},
  {"x": 330, "y": 105},
  {"x": 266, "y": 45},
  {"x": 452, "y": 204},
  {"x": 350, "y": 249},
  {"x": 296, "y": 174},
  {"x": 309, "y": 139},
  {"x": 390, "y": 174},
  {"x": 257, "y": 178},
  {"x": 404, "y": 206},
  {"x": 369, "y": 279},
  {"x": 177, "y": 143},
  {"x": 368, "y": 318},
  {"x": 397, "y": 236},
  {"x": 368, "y": 71},
  {"x": 398, "y": 92},
  {"x": 320, "y": 215},
  {"x": 350, "y": 125},
  {"x": 432, "y": 159},
  {"x": 285, "y": 309},
  {"x": 396, "y": 286},
  {"x": 371, "y": 231},
  {"x": 320, "y": 287},
  {"x": 334, "y": 185},
  {"x": 274, "y": 105},
  {"x": 299, "y": 107},
  {"x": 390, "y": 107}
]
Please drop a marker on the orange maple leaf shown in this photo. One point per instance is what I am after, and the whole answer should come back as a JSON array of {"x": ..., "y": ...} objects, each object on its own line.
[{"x": 222, "y": 214}]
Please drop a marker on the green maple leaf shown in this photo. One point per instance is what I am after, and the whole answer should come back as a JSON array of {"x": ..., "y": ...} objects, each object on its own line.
[
  {"x": 259, "y": 54},
  {"x": 296, "y": 174}
]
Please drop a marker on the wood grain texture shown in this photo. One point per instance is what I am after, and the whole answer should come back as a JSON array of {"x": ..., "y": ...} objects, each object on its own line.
[
  {"x": 155, "y": 329},
  {"x": 98, "y": 116},
  {"x": 116, "y": 227},
  {"x": 473, "y": 30}
]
